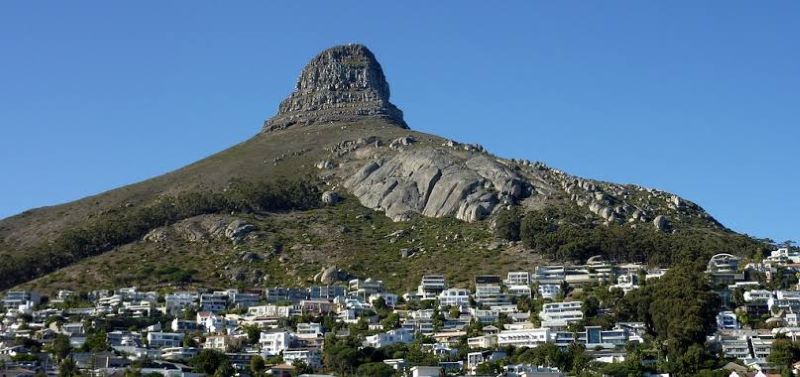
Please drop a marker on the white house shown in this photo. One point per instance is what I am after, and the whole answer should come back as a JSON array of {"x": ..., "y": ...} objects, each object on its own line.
[
  {"x": 420, "y": 371},
  {"x": 454, "y": 297},
  {"x": 401, "y": 335},
  {"x": 431, "y": 286},
  {"x": 310, "y": 356},
  {"x": 165, "y": 339},
  {"x": 309, "y": 330},
  {"x": 549, "y": 291},
  {"x": 561, "y": 314},
  {"x": 523, "y": 338},
  {"x": 273, "y": 343}
]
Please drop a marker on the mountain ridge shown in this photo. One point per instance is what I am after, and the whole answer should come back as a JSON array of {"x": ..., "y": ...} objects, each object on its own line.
[{"x": 339, "y": 129}]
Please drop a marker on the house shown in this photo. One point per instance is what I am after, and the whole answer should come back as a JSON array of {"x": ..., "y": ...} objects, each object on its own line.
[
  {"x": 518, "y": 278},
  {"x": 390, "y": 299},
  {"x": 327, "y": 292},
  {"x": 431, "y": 286},
  {"x": 365, "y": 288},
  {"x": 14, "y": 299},
  {"x": 316, "y": 306},
  {"x": 726, "y": 320},
  {"x": 269, "y": 311},
  {"x": 523, "y": 338},
  {"x": 549, "y": 291},
  {"x": 420, "y": 371},
  {"x": 561, "y": 314},
  {"x": 221, "y": 342},
  {"x": 309, "y": 330},
  {"x": 488, "y": 291},
  {"x": 528, "y": 370},
  {"x": 401, "y": 335},
  {"x": 626, "y": 282},
  {"x": 273, "y": 343},
  {"x": 476, "y": 358},
  {"x": 213, "y": 302},
  {"x": 310, "y": 356},
  {"x": 549, "y": 275},
  {"x": 179, "y": 353},
  {"x": 519, "y": 290},
  {"x": 454, "y": 297},
  {"x": 165, "y": 339},
  {"x": 723, "y": 269},
  {"x": 279, "y": 294},
  {"x": 483, "y": 341},
  {"x": 245, "y": 300},
  {"x": 178, "y": 301}
]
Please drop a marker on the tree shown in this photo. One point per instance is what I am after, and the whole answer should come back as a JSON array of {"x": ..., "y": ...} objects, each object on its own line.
[
  {"x": 209, "y": 361},
  {"x": 683, "y": 307},
  {"x": 253, "y": 333},
  {"x": 68, "y": 368},
  {"x": 507, "y": 224},
  {"x": 392, "y": 321},
  {"x": 783, "y": 353},
  {"x": 300, "y": 367},
  {"x": 257, "y": 365},
  {"x": 377, "y": 369},
  {"x": 60, "y": 347},
  {"x": 590, "y": 307}
]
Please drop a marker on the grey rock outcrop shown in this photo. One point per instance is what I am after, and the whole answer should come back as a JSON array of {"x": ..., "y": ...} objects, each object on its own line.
[
  {"x": 434, "y": 183},
  {"x": 661, "y": 223},
  {"x": 237, "y": 230},
  {"x": 330, "y": 197},
  {"x": 341, "y": 84}
]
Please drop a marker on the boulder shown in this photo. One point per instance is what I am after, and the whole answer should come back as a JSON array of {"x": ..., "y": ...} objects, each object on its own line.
[
  {"x": 662, "y": 223},
  {"x": 330, "y": 197}
]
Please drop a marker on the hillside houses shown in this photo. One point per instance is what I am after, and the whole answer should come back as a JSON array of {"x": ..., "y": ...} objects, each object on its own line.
[{"x": 285, "y": 325}]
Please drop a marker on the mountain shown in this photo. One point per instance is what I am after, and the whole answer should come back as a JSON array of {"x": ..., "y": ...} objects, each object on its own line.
[{"x": 336, "y": 184}]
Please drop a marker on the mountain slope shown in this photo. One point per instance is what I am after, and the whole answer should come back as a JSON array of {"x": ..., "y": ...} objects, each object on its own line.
[{"x": 337, "y": 132}]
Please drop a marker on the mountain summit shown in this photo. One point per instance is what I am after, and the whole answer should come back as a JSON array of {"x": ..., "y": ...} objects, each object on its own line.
[{"x": 341, "y": 84}]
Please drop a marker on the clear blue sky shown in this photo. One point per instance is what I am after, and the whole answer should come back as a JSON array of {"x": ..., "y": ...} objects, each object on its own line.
[{"x": 697, "y": 98}]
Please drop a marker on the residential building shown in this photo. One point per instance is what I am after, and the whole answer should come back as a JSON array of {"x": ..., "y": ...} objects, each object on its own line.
[
  {"x": 549, "y": 291},
  {"x": 454, "y": 297},
  {"x": 422, "y": 371},
  {"x": 431, "y": 286},
  {"x": 561, "y": 314},
  {"x": 523, "y": 338},
  {"x": 178, "y": 301},
  {"x": 273, "y": 343},
  {"x": 365, "y": 288},
  {"x": 726, "y": 320},
  {"x": 212, "y": 302},
  {"x": 518, "y": 278},
  {"x": 327, "y": 292},
  {"x": 310, "y": 356},
  {"x": 388, "y": 338},
  {"x": 520, "y": 290},
  {"x": 165, "y": 339},
  {"x": 309, "y": 330},
  {"x": 245, "y": 300}
]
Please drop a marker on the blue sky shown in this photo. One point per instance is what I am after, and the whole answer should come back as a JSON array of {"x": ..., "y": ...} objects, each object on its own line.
[{"x": 697, "y": 98}]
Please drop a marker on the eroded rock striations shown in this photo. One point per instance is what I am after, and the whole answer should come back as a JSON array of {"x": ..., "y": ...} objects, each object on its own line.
[
  {"x": 341, "y": 84},
  {"x": 436, "y": 183}
]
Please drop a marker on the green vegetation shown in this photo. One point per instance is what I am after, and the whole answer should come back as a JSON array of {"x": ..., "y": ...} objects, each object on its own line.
[
  {"x": 105, "y": 231},
  {"x": 569, "y": 233}
]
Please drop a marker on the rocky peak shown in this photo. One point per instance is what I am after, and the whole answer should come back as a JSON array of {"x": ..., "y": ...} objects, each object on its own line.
[{"x": 341, "y": 84}]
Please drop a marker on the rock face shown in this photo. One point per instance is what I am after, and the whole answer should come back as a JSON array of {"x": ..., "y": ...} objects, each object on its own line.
[
  {"x": 661, "y": 223},
  {"x": 436, "y": 184},
  {"x": 341, "y": 84},
  {"x": 330, "y": 197}
]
